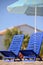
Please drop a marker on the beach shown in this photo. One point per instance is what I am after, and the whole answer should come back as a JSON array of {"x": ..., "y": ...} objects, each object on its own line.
[{"x": 21, "y": 63}]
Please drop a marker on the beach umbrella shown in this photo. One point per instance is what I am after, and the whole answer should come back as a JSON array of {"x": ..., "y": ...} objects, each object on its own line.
[{"x": 28, "y": 7}]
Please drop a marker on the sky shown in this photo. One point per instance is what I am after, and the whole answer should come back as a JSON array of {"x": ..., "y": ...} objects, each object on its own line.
[{"x": 10, "y": 19}]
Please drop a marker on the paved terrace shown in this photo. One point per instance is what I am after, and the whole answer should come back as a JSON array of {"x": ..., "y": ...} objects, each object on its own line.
[{"x": 21, "y": 63}]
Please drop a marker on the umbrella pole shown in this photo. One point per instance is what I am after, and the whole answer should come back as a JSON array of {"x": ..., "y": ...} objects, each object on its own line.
[
  {"x": 35, "y": 17},
  {"x": 35, "y": 26}
]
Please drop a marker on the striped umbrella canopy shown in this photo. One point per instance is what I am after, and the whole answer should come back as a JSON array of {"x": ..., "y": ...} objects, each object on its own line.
[{"x": 28, "y": 7}]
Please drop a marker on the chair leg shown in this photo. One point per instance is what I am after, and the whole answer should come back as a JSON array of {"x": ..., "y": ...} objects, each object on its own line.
[
  {"x": 40, "y": 58},
  {"x": 34, "y": 58}
]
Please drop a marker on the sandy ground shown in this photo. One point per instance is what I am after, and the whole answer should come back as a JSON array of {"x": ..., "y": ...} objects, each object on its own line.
[{"x": 21, "y": 63}]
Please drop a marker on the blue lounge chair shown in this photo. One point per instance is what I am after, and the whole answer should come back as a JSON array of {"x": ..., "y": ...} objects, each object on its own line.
[
  {"x": 14, "y": 48},
  {"x": 34, "y": 46}
]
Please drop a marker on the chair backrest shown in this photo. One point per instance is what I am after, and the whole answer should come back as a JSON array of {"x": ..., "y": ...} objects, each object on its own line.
[
  {"x": 16, "y": 43},
  {"x": 35, "y": 42}
]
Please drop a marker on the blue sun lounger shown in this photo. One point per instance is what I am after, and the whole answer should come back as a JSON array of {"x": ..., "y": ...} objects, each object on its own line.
[
  {"x": 34, "y": 46},
  {"x": 14, "y": 47}
]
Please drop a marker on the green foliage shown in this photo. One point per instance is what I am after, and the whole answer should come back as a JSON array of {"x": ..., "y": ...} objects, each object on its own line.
[
  {"x": 41, "y": 52},
  {"x": 7, "y": 43},
  {"x": 25, "y": 42},
  {"x": 8, "y": 33},
  {"x": 14, "y": 31},
  {"x": 8, "y": 38}
]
